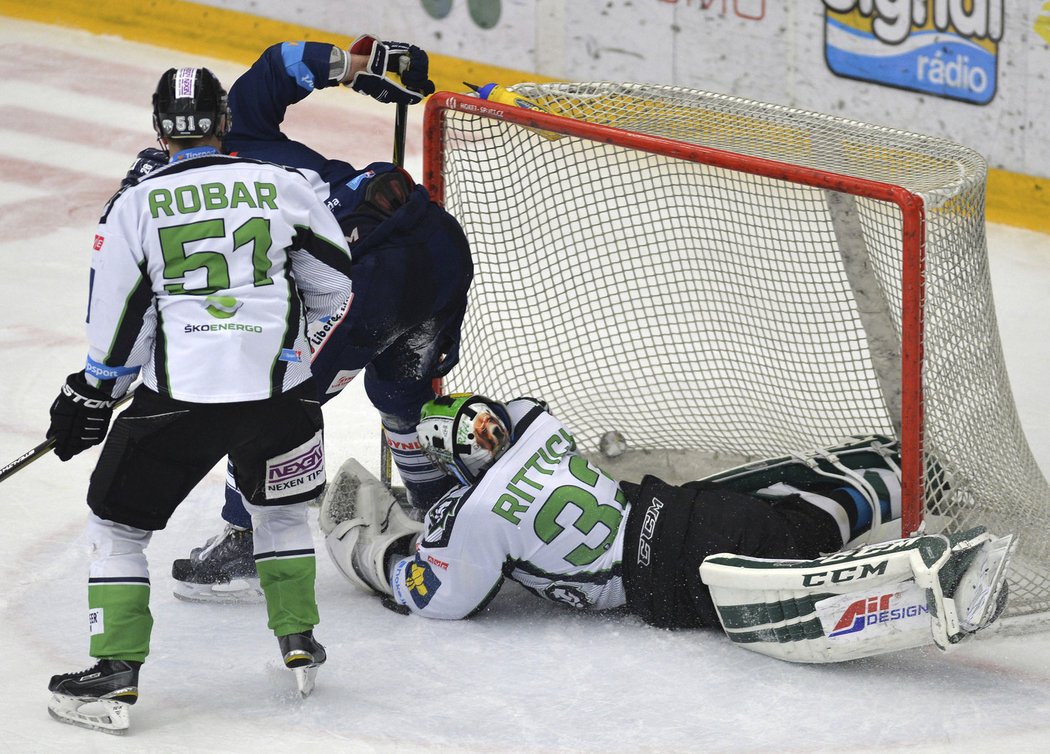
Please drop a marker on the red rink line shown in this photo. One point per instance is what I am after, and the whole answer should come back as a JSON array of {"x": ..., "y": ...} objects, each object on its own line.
[
  {"x": 104, "y": 79},
  {"x": 29, "y": 336},
  {"x": 357, "y": 137},
  {"x": 76, "y": 200},
  {"x": 78, "y": 132}
]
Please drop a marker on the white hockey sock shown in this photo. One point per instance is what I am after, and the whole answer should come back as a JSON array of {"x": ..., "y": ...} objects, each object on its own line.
[{"x": 413, "y": 466}]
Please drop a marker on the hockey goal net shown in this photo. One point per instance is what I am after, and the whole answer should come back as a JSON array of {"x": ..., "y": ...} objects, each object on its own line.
[{"x": 709, "y": 274}]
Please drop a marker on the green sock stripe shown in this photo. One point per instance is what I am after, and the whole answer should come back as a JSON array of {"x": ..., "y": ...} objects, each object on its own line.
[
  {"x": 120, "y": 621},
  {"x": 288, "y": 584}
]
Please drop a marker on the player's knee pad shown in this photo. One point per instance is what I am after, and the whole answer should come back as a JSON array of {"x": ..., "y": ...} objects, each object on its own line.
[
  {"x": 118, "y": 549},
  {"x": 398, "y": 383},
  {"x": 281, "y": 529}
]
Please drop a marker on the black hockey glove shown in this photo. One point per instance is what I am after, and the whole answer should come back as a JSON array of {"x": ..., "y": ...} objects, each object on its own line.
[
  {"x": 415, "y": 72},
  {"x": 412, "y": 84},
  {"x": 79, "y": 417}
]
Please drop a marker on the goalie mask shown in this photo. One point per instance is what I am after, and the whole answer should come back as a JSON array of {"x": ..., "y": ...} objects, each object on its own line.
[
  {"x": 464, "y": 434},
  {"x": 190, "y": 103}
]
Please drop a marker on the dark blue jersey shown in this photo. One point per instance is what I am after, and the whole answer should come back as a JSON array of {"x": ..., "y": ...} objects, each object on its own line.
[{"x": 287, "y": 73}]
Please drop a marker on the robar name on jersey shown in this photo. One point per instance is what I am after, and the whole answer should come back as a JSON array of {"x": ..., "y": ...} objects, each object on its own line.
[{"x": 192, "y": 198}]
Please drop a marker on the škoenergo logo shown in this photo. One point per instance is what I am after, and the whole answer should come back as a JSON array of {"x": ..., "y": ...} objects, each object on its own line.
[
  {"x": 221, "y": 307},
  {"x": 932, "y": 46},
  {"x": 222, "y": 327},
  {"x": 867, "y": 612}
]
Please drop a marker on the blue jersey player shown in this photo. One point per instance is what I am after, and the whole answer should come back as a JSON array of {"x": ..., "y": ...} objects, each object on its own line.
[{"x": 411, "y": 272}]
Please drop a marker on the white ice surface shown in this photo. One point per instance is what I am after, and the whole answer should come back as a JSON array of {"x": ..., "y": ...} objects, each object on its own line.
[{"x": 522, "y": 677}]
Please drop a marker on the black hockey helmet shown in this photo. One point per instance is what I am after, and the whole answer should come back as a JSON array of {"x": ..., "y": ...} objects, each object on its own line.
[{"x": 190, "y": 103}]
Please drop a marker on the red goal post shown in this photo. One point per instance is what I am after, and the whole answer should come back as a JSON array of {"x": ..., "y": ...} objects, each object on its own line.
[{"x": 503, "y": 171}]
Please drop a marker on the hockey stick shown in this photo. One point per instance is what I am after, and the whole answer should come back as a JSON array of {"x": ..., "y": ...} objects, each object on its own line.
[
  {"x": 400, "y": 128},
  {"x": 27, "y": 458},
  {"x": 41, "y": 450},
  {"x": 386, "y": 458}
]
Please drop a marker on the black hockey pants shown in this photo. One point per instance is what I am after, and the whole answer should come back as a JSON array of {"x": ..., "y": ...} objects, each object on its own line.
[{"x": 671, "y": 529}]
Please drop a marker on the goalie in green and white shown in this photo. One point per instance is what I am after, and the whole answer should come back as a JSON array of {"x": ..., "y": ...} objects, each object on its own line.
[{"x": 796, "y": 557}]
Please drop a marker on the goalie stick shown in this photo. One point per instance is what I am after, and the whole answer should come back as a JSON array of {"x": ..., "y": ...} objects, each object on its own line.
[{"x": 40, "y": 450}]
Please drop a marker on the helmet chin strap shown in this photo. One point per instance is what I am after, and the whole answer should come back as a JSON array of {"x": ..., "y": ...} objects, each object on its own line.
[{"x": 460, "y": 474}]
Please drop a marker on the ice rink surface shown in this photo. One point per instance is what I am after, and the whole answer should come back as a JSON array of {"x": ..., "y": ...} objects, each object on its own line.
[{"x": 522, "y": 677}]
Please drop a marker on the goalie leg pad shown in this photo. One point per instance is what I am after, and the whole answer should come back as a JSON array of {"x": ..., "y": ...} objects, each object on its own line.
[
  {"x": 857, "y": 603},
  {"x": 804, "y": 469},
  {"x": 969, "y": 591},
  {"x": 857, "y": 483}
]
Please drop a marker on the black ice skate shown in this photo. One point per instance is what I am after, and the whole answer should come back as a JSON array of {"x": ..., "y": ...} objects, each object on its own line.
[
  {"x": 302, "y": 654},
  {"x": 223, "y": 570},
  {"x": 97, "y": 698}
]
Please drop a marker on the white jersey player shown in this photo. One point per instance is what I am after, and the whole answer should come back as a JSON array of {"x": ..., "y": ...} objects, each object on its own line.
[
  {"x": 218, "y": 255},
  {"x": 204, "y": 276},
  {"x": 533, "y": 510},
  {"x": 541, "y": 515}
]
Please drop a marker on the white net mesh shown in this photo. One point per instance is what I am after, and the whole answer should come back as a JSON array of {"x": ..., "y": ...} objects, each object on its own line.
[{"x": 694, "y": 307}]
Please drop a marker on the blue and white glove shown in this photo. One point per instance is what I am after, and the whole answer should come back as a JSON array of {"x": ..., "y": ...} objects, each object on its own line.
[
  {"x": 408, "y": 62},
  {"x": 146, "y": 161}
]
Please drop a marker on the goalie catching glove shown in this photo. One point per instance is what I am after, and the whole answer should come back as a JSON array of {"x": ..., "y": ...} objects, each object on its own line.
[
  {"x": 79, "y": 417},
  {"x": 365, "y": 529},
  {"x": 407, "y": 62},
  {"x": 856, "y": 603}
]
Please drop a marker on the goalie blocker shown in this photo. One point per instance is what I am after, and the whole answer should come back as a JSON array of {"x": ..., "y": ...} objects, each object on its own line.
[{"x": 878, "y": 598}]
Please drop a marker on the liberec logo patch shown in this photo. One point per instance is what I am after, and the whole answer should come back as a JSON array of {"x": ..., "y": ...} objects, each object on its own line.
[
  {"x": 422, "y": 582},
  {"x": 946, "y": 48},
  {"x": 872, "y": 611}
]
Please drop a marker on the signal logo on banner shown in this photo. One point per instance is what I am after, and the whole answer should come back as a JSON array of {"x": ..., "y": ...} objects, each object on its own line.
[{"x": 940, "y": 47}]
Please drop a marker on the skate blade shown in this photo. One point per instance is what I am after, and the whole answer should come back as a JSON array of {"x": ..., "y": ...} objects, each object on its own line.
[
  {"x": 104, "y": 715},
  {"x": 237, "y": 591},
  {"x": 304, "y": 679}
]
